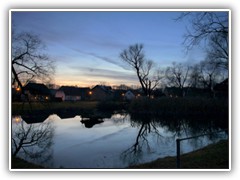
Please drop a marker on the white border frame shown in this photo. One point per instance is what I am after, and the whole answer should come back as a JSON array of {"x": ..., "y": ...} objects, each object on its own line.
[{"x": 119, "y": 10}]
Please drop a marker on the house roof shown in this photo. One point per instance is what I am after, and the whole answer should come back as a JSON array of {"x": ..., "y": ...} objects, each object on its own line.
[
  {"x": 73, "y": 91},
  {"x": 107, "y": 89},
  {"x": 36, "y": 88}
]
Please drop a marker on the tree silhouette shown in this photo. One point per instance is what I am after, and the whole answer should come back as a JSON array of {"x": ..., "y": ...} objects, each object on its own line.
[
  {"x": 33, "y": 140},
  {"x": 29, "y": 62},
  {"x": 177, "y": 75},
  {"x": 211, "y": 29},
  {"x": 148, "y": 78}
]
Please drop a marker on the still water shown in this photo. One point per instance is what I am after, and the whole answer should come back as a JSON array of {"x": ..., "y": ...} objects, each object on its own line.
[{"x": 117, "y": 141}]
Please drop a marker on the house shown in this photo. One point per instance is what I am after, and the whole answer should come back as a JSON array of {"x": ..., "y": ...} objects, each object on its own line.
[
  {"x": 119, "y": 94},
  {"x": 60, "y": 95},
  {"x": 37, "y": 92},
  {"x": 69, "y": 93},
  {"x": 129, "y": 95},
  {"x": 101, "y": 92}
]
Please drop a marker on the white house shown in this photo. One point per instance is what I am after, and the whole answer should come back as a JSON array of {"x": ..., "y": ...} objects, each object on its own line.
[
  {"x": 129, "y": 95},
  {"x": 60, "y": 94}
]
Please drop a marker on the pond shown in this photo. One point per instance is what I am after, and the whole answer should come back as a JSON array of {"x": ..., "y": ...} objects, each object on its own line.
[{"x": 116, "y": 141}]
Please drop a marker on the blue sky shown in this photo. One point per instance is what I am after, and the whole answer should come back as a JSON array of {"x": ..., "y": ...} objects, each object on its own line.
[{"x": 86, "y": 45}]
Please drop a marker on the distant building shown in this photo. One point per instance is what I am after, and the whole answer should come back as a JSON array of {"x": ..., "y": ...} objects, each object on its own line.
[
  {"x": 119, "y": 94},
  {"x": 37, "y": 92},
  {"x": 69, "y": 93},
  {"x": 129, "y": 95},
  {"x": 100, "y": 93}
]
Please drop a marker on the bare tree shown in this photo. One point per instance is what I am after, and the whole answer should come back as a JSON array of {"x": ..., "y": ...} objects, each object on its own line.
[
  {"x": 148, "y": 78},
  {"x": 29, "y": 62},
  {"x": 194, "y": 76},
  {"x": 211, "y": 29},
  {"x": 218, "y": 50},
  {"x": 209, "y": 72},
  {"x": 31, "y": 139},
  {"x": 204, "y": 25},
  {"x": 177, "y": 75}
]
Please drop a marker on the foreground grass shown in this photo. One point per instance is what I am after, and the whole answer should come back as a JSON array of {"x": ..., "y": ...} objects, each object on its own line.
[
  {"x": 18, "y": 163},
  {"x": 215, "y": 156}
]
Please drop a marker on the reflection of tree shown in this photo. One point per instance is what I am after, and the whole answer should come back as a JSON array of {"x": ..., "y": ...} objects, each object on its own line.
[
  {"x": 147, "y": 127},
  {"x": 171, "y": 128},
  {"x": 32, "y": 140}
]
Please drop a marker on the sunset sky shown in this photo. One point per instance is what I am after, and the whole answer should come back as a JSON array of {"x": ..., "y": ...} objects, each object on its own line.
[{"x": 86, "y": 45}]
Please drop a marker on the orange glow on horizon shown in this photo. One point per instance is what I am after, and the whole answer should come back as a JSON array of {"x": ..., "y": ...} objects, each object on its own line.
[{"x": 61, "y": 81}]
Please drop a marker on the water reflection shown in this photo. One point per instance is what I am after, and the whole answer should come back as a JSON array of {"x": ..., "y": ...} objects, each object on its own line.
[
  {"x": 149, "y": 134},
  {"x": 32, "y": 142},
  {"x": 114, "y": 142},
  {"x": 90, "y": 122}
]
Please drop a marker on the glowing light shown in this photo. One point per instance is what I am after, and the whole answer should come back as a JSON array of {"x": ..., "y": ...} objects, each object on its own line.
[
  {"x": 18, "y": 89},
  {"x": 46, "y": 98},
  {"x": 90, "y": 93},
  {"x": 123, "y": 94},
  {"x": 17, "y": 119}
]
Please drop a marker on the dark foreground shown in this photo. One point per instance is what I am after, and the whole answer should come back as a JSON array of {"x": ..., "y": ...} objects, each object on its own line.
[{"x": 215, "y": 156}]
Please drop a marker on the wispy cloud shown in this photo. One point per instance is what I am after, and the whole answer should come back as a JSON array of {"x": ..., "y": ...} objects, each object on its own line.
[
  {"x": 106, "y": 59},
  {"x": 104, "y": 73}
]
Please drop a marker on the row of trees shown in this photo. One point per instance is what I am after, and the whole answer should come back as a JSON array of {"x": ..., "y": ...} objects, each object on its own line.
[
  {"x": 209, "y": 29},
  {"x": 204, "y": 74}
]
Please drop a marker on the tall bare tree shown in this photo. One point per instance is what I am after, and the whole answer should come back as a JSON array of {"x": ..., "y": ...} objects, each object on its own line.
[
  {"x": 210, "y": 29},
  {"x": 219, "y": 51},
  {"x": 29, "y": 61},
  {"x": 147, "y": 76}
]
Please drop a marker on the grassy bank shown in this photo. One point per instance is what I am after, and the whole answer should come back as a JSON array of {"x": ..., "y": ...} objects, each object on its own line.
[
  {"x": 214, "y": 156},
  {"x": 191, "y": 106},
  {"x": 19, "y": 108}
]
